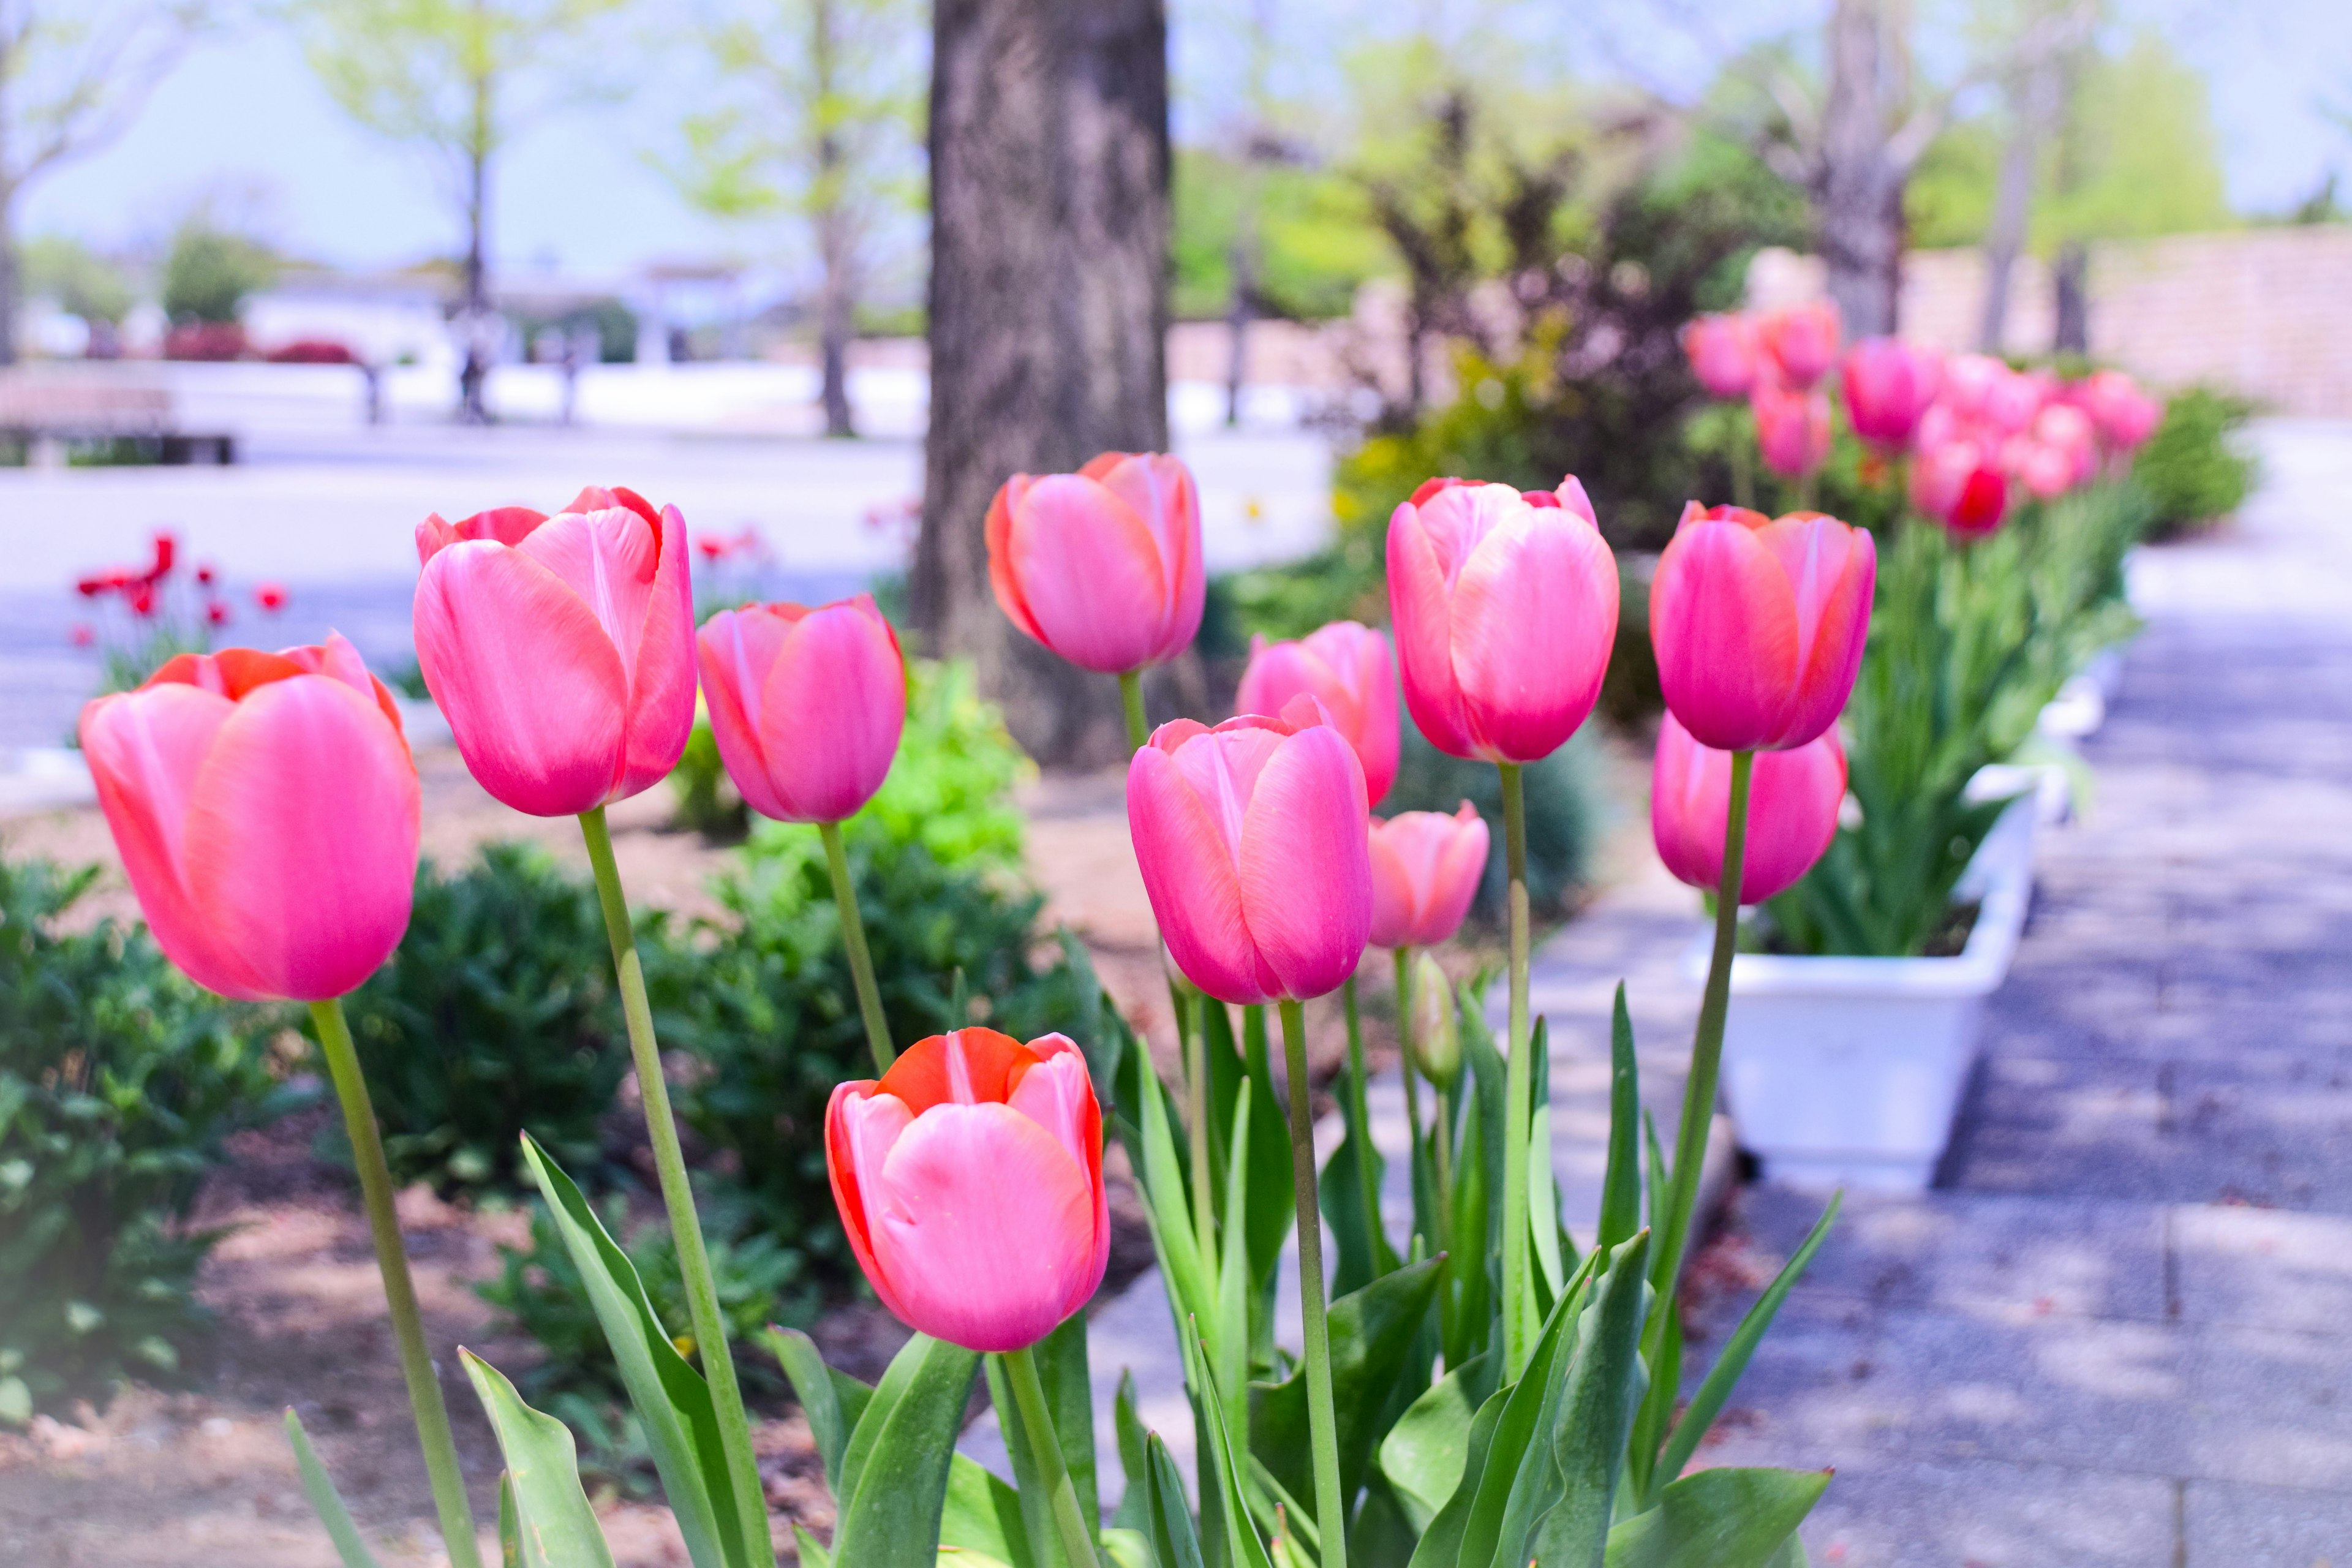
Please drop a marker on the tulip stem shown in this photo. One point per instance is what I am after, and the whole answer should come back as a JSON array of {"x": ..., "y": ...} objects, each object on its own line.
[
  {"x": 1707, "y": 1048},
  {"x": 1045, "y": 1448},
  {"x": 1368, "y": 1186},
  {"x": 677, "y": 1195},
  {"x": 1130, "y": 694},
  {"x": 399, "y": 1291},
  {"x": 1402, "y": 957},
  {"x": 1322, "y": 1425},
  {"x": 853, "y": 938},
  {"x": 1518, "y": 1299}
]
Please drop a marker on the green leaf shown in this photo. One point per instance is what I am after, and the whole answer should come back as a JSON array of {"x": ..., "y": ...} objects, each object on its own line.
[
  {"x": 1239, "y": 1074},
  {"x": 833, "y": 1401},
  {"x": 982, "y": 1516},
  {"x": 1520, "y": 1443},
  {"x": 1133, "y": 1440},
  {"x": 1218, "y": 1461},
  {"x": 509, "y": 1524},
  {"x": 1372, "y": 1332},
  {"x": 1362, "y": 1257},
  {"x": 1721, "y": 1378},
  {"x": 1465, "y": 1306},
  {"x": 1596, "y": 1405},
  {"x": 671, "y": 1399},
  {"x": 1441, "y": 1543},
  {"x": 325, "y": 1500},
  {"x": 1127, "y": 1548},
  {"x": 1167, "y": 1523},
  {"x": 1230, "y": 1333},
  {"x": 1620, "y": 1188},
  {"x": 1069, "y": 1397},
  {"x": 1424, "y": 1454},
  {"x": 1543, "y": 1186},
  {"x": 1167, "y": 1203},
  {"x": 893, "y": 1473},
  {"x": 814, "y": 1552},
  {"x": 554, "y": 1526},
  {"x": 1718, "y": 1519}
]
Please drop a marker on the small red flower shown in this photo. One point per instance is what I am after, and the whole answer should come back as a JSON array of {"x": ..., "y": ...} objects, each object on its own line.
[
  {"x": 91, "y": 587},
  {"x": 216, "y": 613},
  {"x": 713, "y": 547},
  {"x": 205, "y": 575},
  {"x": 167, "y": 549},
  {"x": 271, "y": 597},
  {"x": 141, "y": 597},
  {"x": 84, "y": 635}
]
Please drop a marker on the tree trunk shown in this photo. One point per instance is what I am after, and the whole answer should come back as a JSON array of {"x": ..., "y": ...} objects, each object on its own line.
[
  {"x": 1858, "y": 194},
  {"x": 474, "y": 407},
  {"x": 1049, "y": 308},
  {"x": 836, "y": 236},
  {"x": 2070, "y": 279},
  {"x": 2012, "y": 202},
  {"x": 1237, "y": 324},
  {"x": 10, "y": 279}
]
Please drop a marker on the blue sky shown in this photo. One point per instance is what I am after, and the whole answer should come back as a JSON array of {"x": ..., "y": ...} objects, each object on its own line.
[{"x": 243, "y": 118}]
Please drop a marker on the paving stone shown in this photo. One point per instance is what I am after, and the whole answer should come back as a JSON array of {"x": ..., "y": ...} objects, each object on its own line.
[
  {"x": 2229, "y": 1525},
  {"x": 2264, "y": 1268},
  {"x": 1986, "y": 1513},
  {"x": 2270, "y": 1408}
]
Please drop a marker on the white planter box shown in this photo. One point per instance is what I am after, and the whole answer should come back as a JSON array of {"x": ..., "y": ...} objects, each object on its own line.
[{"x": 1848, "y": 1071}]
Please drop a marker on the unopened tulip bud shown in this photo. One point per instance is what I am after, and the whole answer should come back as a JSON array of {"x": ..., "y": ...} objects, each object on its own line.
[{"x": 1436, "y": 1035}]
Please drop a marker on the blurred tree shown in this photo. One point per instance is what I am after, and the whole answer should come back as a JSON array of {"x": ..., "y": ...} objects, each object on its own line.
[
  {"x": 73, "y": 75},
  {"x": 814, "y": 112},
  {"x": 1317, "y": 242},
  {"x": 83, "y": 283},
  {"x": 211, "y": 270},
  {"x": 458, "y": 78}
]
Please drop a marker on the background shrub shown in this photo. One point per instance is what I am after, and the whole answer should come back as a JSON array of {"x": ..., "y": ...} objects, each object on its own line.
[
  {"x": 118, "y": 1082},
  {"x": 2191, "y": 468}
]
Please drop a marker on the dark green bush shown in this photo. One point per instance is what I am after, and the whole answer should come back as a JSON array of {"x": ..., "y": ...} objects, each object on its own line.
[
  {"x": 118, "y": 1082},
  {"x": 2191, "y": 468},
  {"x": 497, "y": 1012}
]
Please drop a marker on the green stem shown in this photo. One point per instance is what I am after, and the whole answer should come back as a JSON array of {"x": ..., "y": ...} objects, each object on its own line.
[
  {"x": 677, "y": 1195},
  {"x": 1069, "y": 1519},
  {"x": 1366, "y": 1184},
  {"x": 1322, "y": 1426},
  {"x": 399, "y": 1292},
  {"x": 1130, "y": 693},
  {"x": 1192, "y": 1017},
  {"x": 853, "y": 937},
  {"x": 1411, "y": 1073},
  {"x": 1518, "y": 1299}
]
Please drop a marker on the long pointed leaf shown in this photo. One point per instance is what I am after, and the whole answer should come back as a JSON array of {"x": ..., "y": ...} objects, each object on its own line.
[
  {"x": 1133, "y": 1443},
  {"x": 982, "y": 1518},
  {"x": 1372, "y": 1334},
  {"x": 1596, "y": 1405},
  {"x": 1062, "y": 1370},
  {"x": 325, "y": 1500},
  {"x": 1620, "y": 1188},
  {"x": 1441, "y": 1543},
  {"x": 1718, "y": 1519},
  {"x": 1424, "y": 1454},
  {"x": 554, "y": 1526},
  {"x": 897, "y": 1467},
  {"x": 1231, "y": 1332},
  {"x": 1219, "y": 1462},
  {"x": 1168, "y": 1522},
  {"x": 1521, "y": 1439}
]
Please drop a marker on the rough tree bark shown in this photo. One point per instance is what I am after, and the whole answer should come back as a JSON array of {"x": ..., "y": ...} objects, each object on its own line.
[
  {"x": 1860, "y": 175},
  {"x": 836, "y": 235},
  {"x": 1049, "y": 309}
]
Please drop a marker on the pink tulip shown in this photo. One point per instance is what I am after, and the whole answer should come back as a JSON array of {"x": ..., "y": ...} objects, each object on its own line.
[
  {"x": 1722, "y": 351},
  {"x": 1250, "y": 838},
  {"x": 970, "y": 1181},
  {"x": 1426, "y": 866},
  {"x": 267, "y": 811},
  {"x": 1801, "y": 340},
  {"x": 2012, "y": 401},
  {"x": 1505, "y": 608},
  {"x": 806, "y": 705},
  {"x": 1759, "y": 625},
  {"x": 1955, "y": 485},
  {"x": 561, "y": 649},
  {"x": 1969, "y": 380},
  {"x": 1104, "y": 565},
  {"x": 2125, "y": 416},
  {"x": 1792, "y": 427},
  {"x": 1889, "y": 385},
  {"x": 1347, "y": 669},
  {"x": 1793, "y": 810}
]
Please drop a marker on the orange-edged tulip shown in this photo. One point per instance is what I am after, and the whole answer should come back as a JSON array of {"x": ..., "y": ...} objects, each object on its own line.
[
  {"x": 1505, "y": 608},
  {"x": 1426, "y": 866},
  {"x": 1758, "y": 624},
  {"x": 1251, "y": 838},
  {"x": 806, "y": 705},
  {"x": 1103, "y": 566},
  {"x": 561, "y": 649},
  {"x": 1792, "y": 427},
  {"x": 1889, "y": 385},
  {"x": 1347, "y": 669},
  {"x": 1793, "y": 810},
  {"x": 970, "y": 1181},
  {"x": 1722, "y": 353},
  {"x": 267, "y": 811},
  {"x": 1801, "y": 340}
]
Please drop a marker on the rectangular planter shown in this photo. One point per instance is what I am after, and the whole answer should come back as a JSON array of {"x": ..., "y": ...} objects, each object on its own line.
[{"x": 1848, "y": 1071}]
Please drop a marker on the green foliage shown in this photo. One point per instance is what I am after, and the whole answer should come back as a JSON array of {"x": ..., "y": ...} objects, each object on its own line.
[
  {"x": 210, "y": 271},
  {"x": 2193, "y": 467},
  {"x": 1316, "y": 243},
  {"x": 1564, "y": 814},
  {"x": 118, "y": 1082},
  {"x": 706, "y": 801},
  {"x": 82, "y": 283},
  {"x": 497, "y": 1013}
]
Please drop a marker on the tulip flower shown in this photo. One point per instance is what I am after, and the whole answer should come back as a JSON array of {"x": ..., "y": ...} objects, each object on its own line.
[
  {"x": 561, "y": 649},
  {"x": 1103, "y": 566},
  {"x": 806, "y": 705},
  {"x": 970, "y": 1181},
  {"x": 1759, "y": 625},
  {"x": 2124, "y": 416},
  {"x": 1801, "y": 340},
  {"x": 267, "y": 813},
  {"x": 1723, "y": 352},
  {"x": 1250, "y": 838},
  {"x": 1505, "y": 608},
  {"x": 1889, "y": 385},
  {"x": 1426, "y": 866},
  {"x": 1793, "y": 810},
  {"x": 1953, "y": 484},
  {"x": 1792, "y": 427},
  {"x": 1347, "y": 669}
]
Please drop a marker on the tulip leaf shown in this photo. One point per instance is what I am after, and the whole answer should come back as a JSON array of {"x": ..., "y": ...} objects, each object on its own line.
[
  {"x": 671, "y": 1399},
  {"x": 1620, "y": 1187},
  {"x": 1549, "y": 1273},
  {"x": 1440, "y": 1543},
  {"x": 1239, "y": 1076},
  {"x": 813, "y": 1554},
  {"x": 1127, "y": 1548},
  {"x": 1061, "y": 1358},
  {"x": 1518, "y": 1454},
  {"x": 895, "y": 1471},
  {"x": 509, "y": 1524},
  {"x": 1362, "y": 1257},
  {"x": 1230, "y": 1333},
  {"x": 325, "y": 1500},
  {"x": 982, "y": 1519},
  {"x": 1423, "y": 1453},
  {"x": 1167, "y": 1523},
  {"x": 1133, "y": 1440},
  {"x": 831, "y": 1400},
  {"x": 1372, "y": 1334},
  {"x": 1218, "y": 1461},
  {"x": 1719, "y": 1519},
  {"x": 1708, "y": 1402},
  {"x": 1467, "y": 1310},
  {"x": 1167, "y": 1207},
  {"x": 1598, "y": 1400},
  {"x": 1280, "y": 1517},
  {"x": 553, "y": 1525}
]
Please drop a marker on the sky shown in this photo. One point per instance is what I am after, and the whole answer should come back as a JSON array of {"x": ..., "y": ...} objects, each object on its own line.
[{"x": 243, "y": 121}]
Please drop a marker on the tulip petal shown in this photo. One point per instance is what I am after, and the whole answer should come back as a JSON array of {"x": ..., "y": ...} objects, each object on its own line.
[
  {"x": 610, "y": 560},
  {"x": 1159, "y": 489},
  {"x": 1535, "y": 615},
  {"x": 1058, "y": 1096},
  {"x": 1420, "y": 603},
  {"x": 1189, "y": 871},
  {"x": 861, "y": 1126},
  {"x": 661, "y": 684},
  {"x": 535, "y": 692},
  {"x": 735, "y": 651},
  {"x": 1832, "y": 569},
  {"x": 1723, "y": 621},
  {"x": 831, "y": 711},
  {"x": 1089, "y": 573},
  {"x": 1305, "y": 873}
]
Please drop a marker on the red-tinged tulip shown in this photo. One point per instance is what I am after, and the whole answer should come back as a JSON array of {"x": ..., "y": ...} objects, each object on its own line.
[
  {"x": 1889, "y": 385},
  {"x": 1759, "y": 625},
  {"x": 561, "y": 649},
  {"x": 1955, "y": 485},
  {"x": 2125, "y": 416},
  {"x": 1792, "y": 427},
  {"x": 1801, "y": 340},
  {"x": 806, "y": 705},
  {"x": 1793, "y": 810},
  {"x": 1568, "y": 495},
  {"x": 1723, "y": 352},
  {"x": 970, "y": 1181},
  {"x": 1426, "y": 867},
  {"x": 268, "y": 812},
  {"x": 1103, "y": 566},
  {"x": 1251, "y": 838},
  {"x": 2012, "y": 400},
  {"x": 1347, "y": 669},
  {"x": 1506, "y": 610}
]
